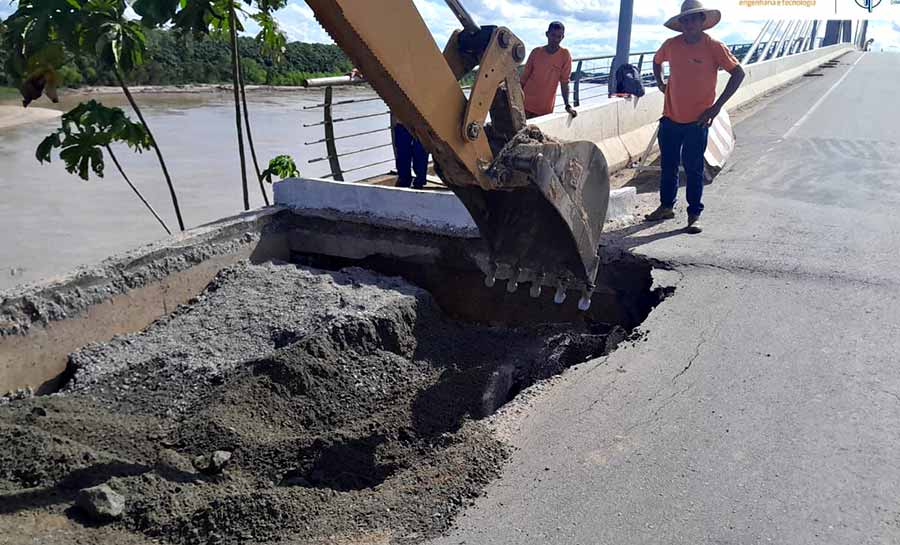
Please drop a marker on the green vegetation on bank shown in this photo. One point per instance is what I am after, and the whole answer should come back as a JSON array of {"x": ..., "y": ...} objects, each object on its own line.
[
  {"x": 9, "y": 93},
  {"x": 177, "y": 58}
]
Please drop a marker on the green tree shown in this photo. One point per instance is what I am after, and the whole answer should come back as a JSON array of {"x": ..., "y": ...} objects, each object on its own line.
[{"x": 253, "y": 71}]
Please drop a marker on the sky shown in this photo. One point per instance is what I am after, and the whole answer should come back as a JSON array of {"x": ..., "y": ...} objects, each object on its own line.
[{"x": 590, "y": 24}]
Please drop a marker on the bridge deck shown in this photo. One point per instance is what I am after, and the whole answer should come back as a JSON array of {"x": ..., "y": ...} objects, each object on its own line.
[{"x": 763, "y": 405}]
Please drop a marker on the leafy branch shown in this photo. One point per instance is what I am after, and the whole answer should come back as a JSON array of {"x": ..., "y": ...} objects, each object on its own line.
[
  {"x": 40, "y": 32},
  {"x": 85, "y": 132},
  {"x": 282, "y": 166}
]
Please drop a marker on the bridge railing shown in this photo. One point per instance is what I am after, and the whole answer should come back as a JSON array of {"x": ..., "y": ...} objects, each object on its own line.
[
  {"x": 365, "y": 147},
  {"x": 359, "y": 142}
]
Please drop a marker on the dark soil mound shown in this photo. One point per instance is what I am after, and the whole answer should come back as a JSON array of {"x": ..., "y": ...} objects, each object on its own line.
[{"x": 350, "y": 406}]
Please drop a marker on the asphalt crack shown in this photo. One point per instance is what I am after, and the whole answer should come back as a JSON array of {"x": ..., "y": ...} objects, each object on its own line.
[
  {"x": 794, "y": 273},
  {"x": 692, "y": 360}
]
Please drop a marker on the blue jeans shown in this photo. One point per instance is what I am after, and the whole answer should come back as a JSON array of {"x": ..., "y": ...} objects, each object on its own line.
[
  {"x": 409, "y": 150},
  {"x": 681, "y": 143}
]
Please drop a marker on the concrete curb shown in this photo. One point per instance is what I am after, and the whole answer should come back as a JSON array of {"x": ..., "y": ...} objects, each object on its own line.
[{"x": 438, "y": 212}]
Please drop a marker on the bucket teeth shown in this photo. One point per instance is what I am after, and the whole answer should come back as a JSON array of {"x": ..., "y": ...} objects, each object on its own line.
[
  {"x": 560, "y": 296},
  {"x": 512, "y": 284},
  {"x": 491, "y": 277},
  {"x": 537, "y": 286},
  {"x": 549, "y": 214},
  {"x": 585, "y": 302}
]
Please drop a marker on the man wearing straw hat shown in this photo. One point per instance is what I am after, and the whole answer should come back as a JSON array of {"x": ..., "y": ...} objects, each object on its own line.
[{"x": 690, "y": 104}]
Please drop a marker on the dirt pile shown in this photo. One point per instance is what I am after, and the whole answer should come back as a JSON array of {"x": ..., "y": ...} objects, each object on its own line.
[{"x": 347, "y": 403}]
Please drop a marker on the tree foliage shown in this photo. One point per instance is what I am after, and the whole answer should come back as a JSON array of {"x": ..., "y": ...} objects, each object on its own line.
[
  {"x": 85, "y": 131},
  {"x": 175, "y": 58}
]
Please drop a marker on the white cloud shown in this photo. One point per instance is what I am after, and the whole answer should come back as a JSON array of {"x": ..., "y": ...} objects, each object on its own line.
[
  {"x": 886, "y": 35},
  {"x": 591, "y": 25}
]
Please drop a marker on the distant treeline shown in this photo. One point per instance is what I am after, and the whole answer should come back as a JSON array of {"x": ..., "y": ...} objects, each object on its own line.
[{"x": 174, "y": 59}]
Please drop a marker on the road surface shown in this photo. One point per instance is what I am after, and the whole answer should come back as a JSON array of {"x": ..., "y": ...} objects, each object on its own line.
[{"x": 764, "y": 404}]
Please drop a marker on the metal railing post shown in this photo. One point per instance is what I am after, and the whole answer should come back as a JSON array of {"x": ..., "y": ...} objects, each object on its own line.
[
  {"x": 623, "y": 41},
  {"x": 577, "y": 94},
  {"x": 330, "y": 147}
]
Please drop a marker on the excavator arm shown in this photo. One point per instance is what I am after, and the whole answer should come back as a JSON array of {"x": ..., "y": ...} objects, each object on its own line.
[{"x": 539, "y": 203}]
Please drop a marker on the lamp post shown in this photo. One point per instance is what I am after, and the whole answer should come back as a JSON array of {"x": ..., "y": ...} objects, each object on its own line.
[{"x": 623, "y": 41}]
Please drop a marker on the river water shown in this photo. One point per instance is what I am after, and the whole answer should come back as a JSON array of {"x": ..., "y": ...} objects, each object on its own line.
[{"x": 52, "y": 221}]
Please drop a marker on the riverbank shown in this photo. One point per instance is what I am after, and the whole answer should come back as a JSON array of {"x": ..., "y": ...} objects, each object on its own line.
[
  {"x": 9, "y": 95},
  {"x": 13, "y": 116}
]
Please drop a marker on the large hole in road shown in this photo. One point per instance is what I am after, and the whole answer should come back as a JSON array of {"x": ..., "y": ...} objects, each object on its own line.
[
  {"x": 350, "y": 395},
  {"x": 624, "y": 297}
]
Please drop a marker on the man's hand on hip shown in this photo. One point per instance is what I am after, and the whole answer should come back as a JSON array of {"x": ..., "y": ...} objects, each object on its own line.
[{"x": 707, "y": 117}]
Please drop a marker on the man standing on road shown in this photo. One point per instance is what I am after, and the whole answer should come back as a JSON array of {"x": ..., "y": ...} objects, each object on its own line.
[
  {"x": 690, "y": 104},
  {"x": 547, "y": 67}
]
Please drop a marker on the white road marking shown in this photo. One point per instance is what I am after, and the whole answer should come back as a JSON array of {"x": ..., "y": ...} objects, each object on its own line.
[{"x": 819, "y": 102}]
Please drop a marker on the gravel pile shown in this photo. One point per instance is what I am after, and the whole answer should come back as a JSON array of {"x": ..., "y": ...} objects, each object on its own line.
[{"x": 284, "y": 404}]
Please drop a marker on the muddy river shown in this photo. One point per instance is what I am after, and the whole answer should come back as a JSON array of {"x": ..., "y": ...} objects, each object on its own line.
[{"x": 53, "y": 221}]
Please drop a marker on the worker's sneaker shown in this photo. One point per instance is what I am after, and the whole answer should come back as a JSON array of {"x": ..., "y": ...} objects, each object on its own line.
[
  {"x": 661, "y": 213},
  {"x": 693, "y": 225}
]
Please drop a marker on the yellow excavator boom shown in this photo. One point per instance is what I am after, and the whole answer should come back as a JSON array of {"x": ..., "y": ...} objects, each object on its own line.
[{"x": 539, "y": 203}]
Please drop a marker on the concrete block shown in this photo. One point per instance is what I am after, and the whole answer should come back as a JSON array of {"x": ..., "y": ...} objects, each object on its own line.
[
  {"x": 430, "y": 211},
  {"x": 439, "y": 212}
]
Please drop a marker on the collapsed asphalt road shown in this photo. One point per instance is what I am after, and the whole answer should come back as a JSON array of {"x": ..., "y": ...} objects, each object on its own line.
[
  {"x": 284, "y": 404},
  {"x": 763, "y": 406}
]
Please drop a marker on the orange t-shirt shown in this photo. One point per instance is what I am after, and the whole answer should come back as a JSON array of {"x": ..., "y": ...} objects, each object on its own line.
[
  {"x": 542, "y": 75},
  {"x": 693, "y": 73}
]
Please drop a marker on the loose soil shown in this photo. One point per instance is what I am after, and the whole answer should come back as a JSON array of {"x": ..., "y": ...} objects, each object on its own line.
[{"x": 350, "y": 403}]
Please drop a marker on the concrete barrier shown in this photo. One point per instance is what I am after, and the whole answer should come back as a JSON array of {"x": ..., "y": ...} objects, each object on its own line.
[
  {"x": 622, "y": 127},
  {"x": 42, "y": 323},
  {"x": 438, "y": 212}
]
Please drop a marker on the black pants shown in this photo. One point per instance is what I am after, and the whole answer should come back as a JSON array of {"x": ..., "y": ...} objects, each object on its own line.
[{"x": 409, "y": 150}]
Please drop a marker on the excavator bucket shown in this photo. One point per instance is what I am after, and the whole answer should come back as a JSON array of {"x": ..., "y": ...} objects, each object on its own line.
[{"x": 547, "y": 232}]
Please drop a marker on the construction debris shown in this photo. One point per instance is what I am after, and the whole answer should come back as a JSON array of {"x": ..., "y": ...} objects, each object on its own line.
[{"x": 283, "y": 403}]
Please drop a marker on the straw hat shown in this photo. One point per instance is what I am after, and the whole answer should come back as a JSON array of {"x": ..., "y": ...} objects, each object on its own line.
[{"x": 690, "y": 7}]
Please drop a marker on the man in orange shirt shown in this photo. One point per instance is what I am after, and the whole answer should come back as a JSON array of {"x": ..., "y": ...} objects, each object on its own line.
[
  {"x": 690, "y": 104},
  {"x": 547, "y": 67}
]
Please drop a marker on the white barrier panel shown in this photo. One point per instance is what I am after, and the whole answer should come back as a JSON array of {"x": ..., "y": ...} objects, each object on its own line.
[{"x": 439, "y": 212}]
